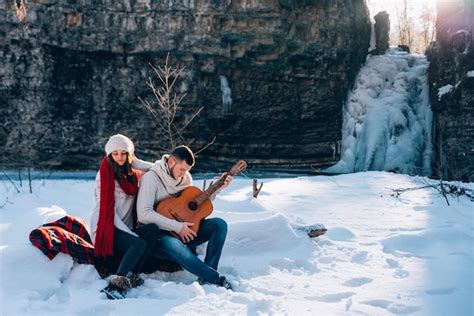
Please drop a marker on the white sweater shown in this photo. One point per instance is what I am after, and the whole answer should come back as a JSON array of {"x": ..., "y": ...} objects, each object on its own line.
[
  {"x": 123, "y": 218},
  {"x": 156, "y": 185},
  {"x": 153, "y": 189}
]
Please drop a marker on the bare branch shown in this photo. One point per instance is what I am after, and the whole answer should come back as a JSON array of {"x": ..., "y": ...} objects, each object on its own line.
[
  {"x": 398, "y": 192},
  {"x": 192, "y": 118},
  {"x": 6, "y": 202},
  {"x": 205, "y": 147},
  {"x": 443, "y": 191},
  {"x": 11, "y": 181},
  {"x": 256, "y": 190},
  {"x": 442, "y": 188}
]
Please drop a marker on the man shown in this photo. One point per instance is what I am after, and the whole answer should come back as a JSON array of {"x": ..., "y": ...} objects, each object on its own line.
[{"x": 167, "y": 178}]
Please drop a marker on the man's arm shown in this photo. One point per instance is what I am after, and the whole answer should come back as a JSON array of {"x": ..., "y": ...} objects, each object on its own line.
[
  {"x": 146, "y": 214},
  {"x": 227, "y": 181}
]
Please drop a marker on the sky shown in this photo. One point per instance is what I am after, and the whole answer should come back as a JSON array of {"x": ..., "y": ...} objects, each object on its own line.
[{"x": 392, "y": 7}]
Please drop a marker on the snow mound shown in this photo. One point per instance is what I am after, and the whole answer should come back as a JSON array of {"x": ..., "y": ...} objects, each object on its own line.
[
  {"x": 250, "y": 237},
  {"x": 426, "y": 243},
  {"x": 238, "y": 204},
  {"x": 340, "y": 234},
  {"x": 51, "y": 214}
]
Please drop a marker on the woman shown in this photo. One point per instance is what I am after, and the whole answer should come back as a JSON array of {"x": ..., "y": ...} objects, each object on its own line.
[{"x": 114, "y": 217}]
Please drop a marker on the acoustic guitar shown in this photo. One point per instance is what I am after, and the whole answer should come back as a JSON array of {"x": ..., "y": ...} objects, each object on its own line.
[{"x": 193, "y": 204}]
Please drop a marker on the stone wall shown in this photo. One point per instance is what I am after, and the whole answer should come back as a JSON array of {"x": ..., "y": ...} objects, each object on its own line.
[
  {"x": 452, "y": 90},
  {"x": 72, "y": 78},
  {"x": 382, "y": 31}
]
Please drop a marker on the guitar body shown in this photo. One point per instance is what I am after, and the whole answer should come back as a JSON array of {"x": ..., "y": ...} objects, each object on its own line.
[
  {"x": 192, "y": 205},
  {"x": 184, "y": 209}
]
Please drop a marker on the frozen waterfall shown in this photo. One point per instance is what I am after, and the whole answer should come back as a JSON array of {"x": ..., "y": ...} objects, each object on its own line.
[
  {"x": 387, "y": 123},
  {"x": 226, "y": 94}
]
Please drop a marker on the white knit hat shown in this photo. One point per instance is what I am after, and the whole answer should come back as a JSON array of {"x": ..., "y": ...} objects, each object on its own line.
[{"x": 119, "y": 142}]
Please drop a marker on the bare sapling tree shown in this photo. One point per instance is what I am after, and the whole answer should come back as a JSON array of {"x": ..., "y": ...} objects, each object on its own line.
[
  {"x": 167, "y": 105},
  {"x": 428, "y": 25},
  {"x": 11, "y": 181},
  {"x": 26, "y": 137},
  {"x": 405, "y": 25},
  {"x": 7, "y": 201}
]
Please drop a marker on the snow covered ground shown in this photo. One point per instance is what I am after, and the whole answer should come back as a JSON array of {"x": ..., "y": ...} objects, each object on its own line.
[{"x": 381, "y": 255}]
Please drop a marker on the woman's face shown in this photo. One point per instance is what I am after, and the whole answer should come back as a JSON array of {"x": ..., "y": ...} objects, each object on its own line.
[{"x": 120, "y": 157}]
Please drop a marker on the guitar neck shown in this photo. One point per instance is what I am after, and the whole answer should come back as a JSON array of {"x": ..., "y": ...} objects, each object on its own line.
[
  {"x": 210, "y": 191},
  {"x": 238, "y": 167}
]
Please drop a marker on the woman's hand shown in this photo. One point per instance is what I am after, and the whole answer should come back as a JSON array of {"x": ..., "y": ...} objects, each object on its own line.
[{"x": 186, "y": 234}]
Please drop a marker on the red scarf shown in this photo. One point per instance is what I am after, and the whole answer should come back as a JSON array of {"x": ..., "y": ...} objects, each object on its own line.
[{"x": 104, "y": 238}]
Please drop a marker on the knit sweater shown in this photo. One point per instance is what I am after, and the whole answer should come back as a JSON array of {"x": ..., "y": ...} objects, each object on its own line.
[
  {"x": 123, "y": 218},
  {"x": 156, "y": 185}
]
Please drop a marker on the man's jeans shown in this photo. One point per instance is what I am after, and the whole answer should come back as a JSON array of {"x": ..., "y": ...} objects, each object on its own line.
[{"x": 213, "y": 230}]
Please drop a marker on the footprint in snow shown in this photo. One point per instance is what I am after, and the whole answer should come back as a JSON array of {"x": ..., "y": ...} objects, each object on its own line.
[
  {"x": 392, "y": 307},
  {"x": 392, "y": 264},
  {"x": 356, "y": 282},
  {"x": 326, "y": 259},
  {"x": 401, "y": 274},
  {"x": 330, "y": 298},
  {"x": 440, "y": 291},
  {"x": 360, "y": 257}
]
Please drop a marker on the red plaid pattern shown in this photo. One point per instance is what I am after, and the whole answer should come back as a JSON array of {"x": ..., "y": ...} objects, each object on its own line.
[{"x": 67, "y": 235}]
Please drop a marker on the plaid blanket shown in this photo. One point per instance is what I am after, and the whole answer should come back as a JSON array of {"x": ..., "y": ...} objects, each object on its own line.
[{"x": 67, "y": 235}]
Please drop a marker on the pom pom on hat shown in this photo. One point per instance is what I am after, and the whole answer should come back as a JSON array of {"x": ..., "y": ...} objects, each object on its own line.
[{"x": 119, "y": 142}]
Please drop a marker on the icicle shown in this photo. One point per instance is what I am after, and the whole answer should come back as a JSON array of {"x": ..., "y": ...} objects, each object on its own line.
[{"x": 226, "y": 95}]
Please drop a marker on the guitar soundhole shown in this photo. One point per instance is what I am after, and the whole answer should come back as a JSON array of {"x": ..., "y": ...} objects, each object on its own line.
[{"x": 192, "y": 206}]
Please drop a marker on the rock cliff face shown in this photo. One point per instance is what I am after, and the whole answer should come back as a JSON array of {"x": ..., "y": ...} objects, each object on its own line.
[
  {"x": 451, "y": 76},
  {"x": 382, "y": 31},
  {"x": 72, "y": 78}
]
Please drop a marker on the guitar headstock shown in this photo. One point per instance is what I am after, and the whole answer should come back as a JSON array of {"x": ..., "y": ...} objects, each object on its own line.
[{"x": 238, "y": 167}]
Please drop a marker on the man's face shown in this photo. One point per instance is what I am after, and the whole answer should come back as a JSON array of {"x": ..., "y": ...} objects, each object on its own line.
[{"x": 178, "y": 168}]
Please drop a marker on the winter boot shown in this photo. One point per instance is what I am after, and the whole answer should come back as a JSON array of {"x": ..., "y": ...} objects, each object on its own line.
[
  {"x": 135, "y": 279},
  {"x": 117, "y": 288},
  {"x": 222, "y": 282},
  {"x": 225, "y": 284}
]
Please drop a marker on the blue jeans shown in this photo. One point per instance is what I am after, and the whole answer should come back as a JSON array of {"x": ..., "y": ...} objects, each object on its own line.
[
  {"x": 213, "y": 231},
  {"x": 135, "y": 250}
]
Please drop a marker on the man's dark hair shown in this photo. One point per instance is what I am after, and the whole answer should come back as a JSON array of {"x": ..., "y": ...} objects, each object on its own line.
[{"x": 183, "y": 153}]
